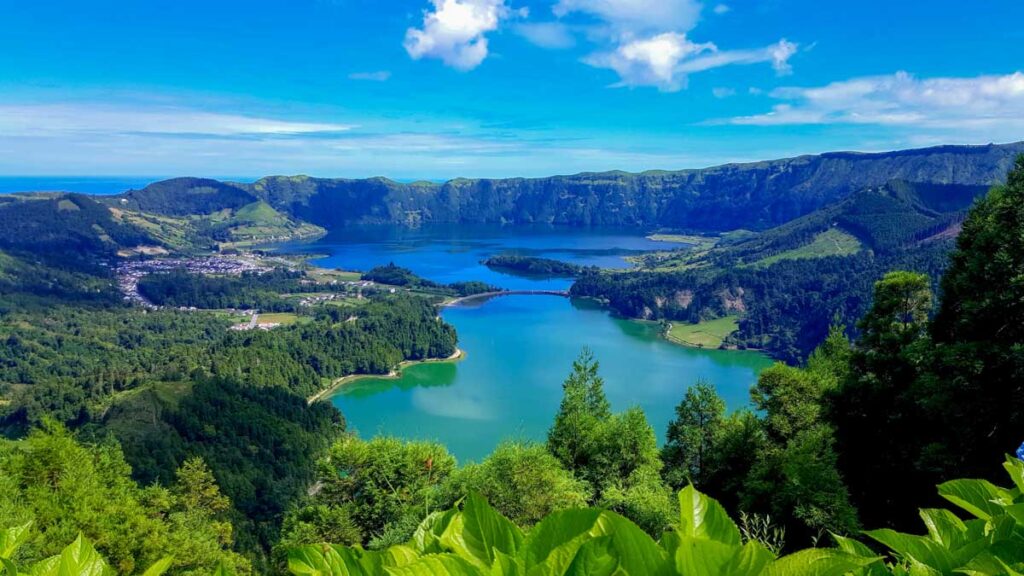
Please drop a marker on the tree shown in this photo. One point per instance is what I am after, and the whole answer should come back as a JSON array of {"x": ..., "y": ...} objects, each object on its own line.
[
  {"x": 584, "y": 406},
  {"x": 876, "y": 409},
  {"x": 977, "y": 387},
  {"x": 522, "y": 481},
  {"x": 795, "y": 477},
  {"x": 898, "y": 315},
  {"x": 386, "y": 483},
  {"x": 616, "y": 455},
  {"x": 690, "y": 439},
  {"x": 67, "y": 488}
]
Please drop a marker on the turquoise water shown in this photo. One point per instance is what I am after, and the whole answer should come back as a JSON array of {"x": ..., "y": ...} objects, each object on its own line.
[{"x": 519, "y": 349}]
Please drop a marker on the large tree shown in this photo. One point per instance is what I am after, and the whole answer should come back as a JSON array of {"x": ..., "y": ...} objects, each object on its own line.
[
  {"x": 690, "y": 440},
  {"x": 875, "y": 409},
  {"x": 977, "y": 392}
]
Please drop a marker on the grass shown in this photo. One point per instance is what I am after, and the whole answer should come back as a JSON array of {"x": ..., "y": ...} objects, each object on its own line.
[
  {"x": 282, "y": 318},
  {"x": 326, "y": 275},
  {"x": 707, "y": 334},
  {"x": 832, "y": 242},
  {"x": 696, "y": 241}
]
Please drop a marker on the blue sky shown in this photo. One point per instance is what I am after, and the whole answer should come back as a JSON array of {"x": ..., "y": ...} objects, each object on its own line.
[{"x": 493, "y": 88}]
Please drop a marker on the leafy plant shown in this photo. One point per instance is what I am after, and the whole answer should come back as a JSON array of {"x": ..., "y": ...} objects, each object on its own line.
[
  {"x": 79, "y": 558},
  {"x": 476, "y": 540},
  {"x": 990, "y": 543}
]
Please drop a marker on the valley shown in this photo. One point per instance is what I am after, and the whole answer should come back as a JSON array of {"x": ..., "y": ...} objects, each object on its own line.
[{"x": 203, "y": 319}]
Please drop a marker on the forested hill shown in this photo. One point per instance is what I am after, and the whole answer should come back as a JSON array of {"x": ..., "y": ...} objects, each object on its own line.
[{"x": 754, "y": 196}]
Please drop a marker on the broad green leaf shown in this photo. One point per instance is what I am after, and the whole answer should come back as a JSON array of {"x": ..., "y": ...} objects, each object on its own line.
[
  {"x": 479, "y": 531},
  {"x": 10, "y": 569},
  {"x": 319, "y": 560},
  {"x": 817, "y": 562},
  {"x": 437, "y": 564},
  {"x": 505, "y": 565},
  {"x": 399, "y": 555},
  {"x": 997, "y": 558},
  {"x": 427, "y": 538},
  {"x": 700, "y": 557},
  {"x": 919, "y": 569},
  {"x": 11, "y": 538},
  {"x": 596, "y": 557},
  {"x": 77, "y": 559},
  {"x": 159, "y": 567},
  {"x": 222, "y": 570},
  {"x": 857, "y": 548},
  {"x": 929, "y": 552},
  {"x": 944, "y": 527},
  {"x": 368, "y": 562},
  {"x": 670, "y": 543},
  {"x": 1016, "y": 512},
  {"x": 552, "y": 543},
  {"x": 979, "y": 497},
  {"x": 703, "y": 517},
  {"x": 1015, "y": 468},
  {"x": 636, "y": 552}
]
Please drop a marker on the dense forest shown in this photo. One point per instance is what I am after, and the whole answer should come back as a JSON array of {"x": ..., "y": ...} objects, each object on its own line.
[
  {"x": 172, "y": 386},
  {"x": 393, "y": 275},
  {"x": 250, "y": 290},
  {"x": 533, "y": 266}
]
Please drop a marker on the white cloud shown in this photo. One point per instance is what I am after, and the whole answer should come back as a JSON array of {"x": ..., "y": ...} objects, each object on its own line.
[
  {"x": 777, "y": 54},
  {"x": 991, "y": 105},
  {"x": 722, "y": 9},
  {"x": 378, "y": 76},
  {"x": 29, "y": 119},
  {"x": 652, "y": 61},
  {"x": 636, "y": 16},
  {"x": 722, "y": 92},
  {"x": 547, "y": 34},
  {"x": 665, "y": 60},
  {"x": 455, "y": 31}
]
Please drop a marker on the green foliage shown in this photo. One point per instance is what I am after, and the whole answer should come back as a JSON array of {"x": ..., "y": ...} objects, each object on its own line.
[
  {"x": 478, "y": 540},
  {"x": 522, "y": 481},
  {"x": 533, "y": 266},
  {"x": 691, "y": 436},
  {"x": 248, "y": 291},
  {"x": 383, "y": 483},
  {"x": 584, "y": 407},
  {"x": 64, "y": 489},
  {"x": 615, "y": 454},
  {"x": 990, "y": 543}
]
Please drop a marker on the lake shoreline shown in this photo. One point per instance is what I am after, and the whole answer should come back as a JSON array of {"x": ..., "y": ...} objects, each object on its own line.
[{"x": 457, "y": 356}]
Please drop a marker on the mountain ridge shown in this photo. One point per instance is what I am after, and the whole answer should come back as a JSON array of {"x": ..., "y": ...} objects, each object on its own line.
[{"x": 756, "y": 195}]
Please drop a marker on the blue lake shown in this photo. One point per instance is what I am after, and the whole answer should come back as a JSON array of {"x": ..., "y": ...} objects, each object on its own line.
[{"x": 519, "y": 349}]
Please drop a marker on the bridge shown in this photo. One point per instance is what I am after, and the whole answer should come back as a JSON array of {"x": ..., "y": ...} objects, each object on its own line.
[{"x": 485, "y": 295}]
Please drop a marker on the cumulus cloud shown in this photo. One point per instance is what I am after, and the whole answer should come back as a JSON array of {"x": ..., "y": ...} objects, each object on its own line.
[
  {"x": 722, "y": 9},
  {"x": 454, "y": 31},
  {"x": 992, "y": 105},
  {"x": 378, "y": 76},
  {"x": 665, "y": 60},
  {"x": 722, "y": 92},
  {"x": 636, "y": 16}
]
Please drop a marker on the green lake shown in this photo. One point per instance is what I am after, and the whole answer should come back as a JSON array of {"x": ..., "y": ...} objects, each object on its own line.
[{"x": 519, "y": 349}]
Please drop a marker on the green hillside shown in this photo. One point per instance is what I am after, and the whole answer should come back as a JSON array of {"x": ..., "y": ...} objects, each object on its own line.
[{"x": 832, "y": 242}]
